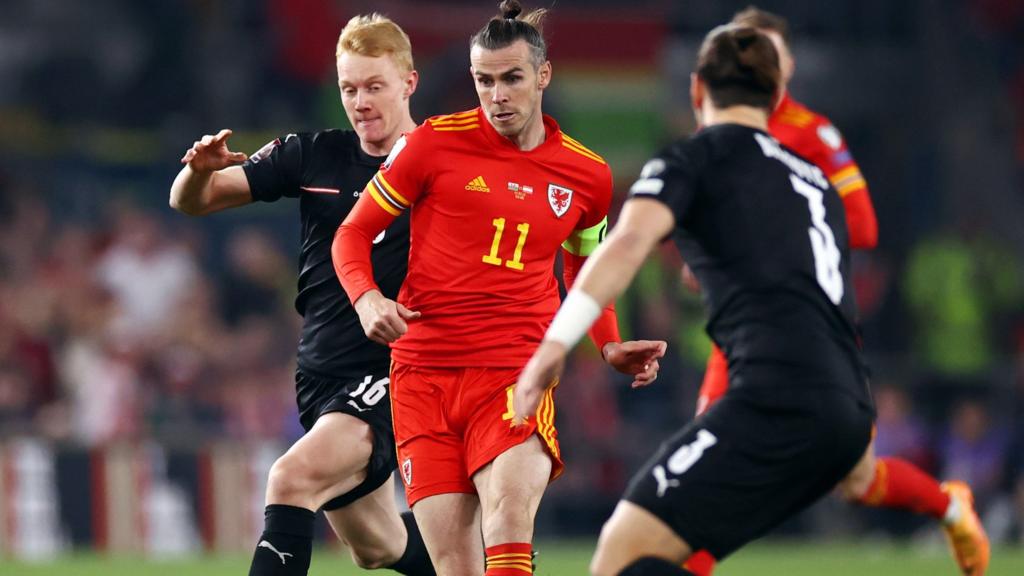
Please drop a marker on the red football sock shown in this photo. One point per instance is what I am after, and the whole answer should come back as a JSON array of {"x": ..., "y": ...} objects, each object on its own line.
[
  {"x": 701, "y": 563},
  {"x": 900, "y": 484},
  {"x": 511, "y": 559}
]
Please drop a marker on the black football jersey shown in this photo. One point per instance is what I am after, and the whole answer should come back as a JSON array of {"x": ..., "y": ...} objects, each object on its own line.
[
  {"x": 327, "y": 171},
  {"x": 765, "y": 234}
]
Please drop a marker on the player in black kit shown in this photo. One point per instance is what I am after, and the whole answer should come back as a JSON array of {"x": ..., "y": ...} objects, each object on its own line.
[
  {"x": 766, "y": 237},
  {"x": 344, "y": 463}
]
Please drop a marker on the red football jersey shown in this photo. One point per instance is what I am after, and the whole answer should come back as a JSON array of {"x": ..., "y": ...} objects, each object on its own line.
[
  {"x": 812, "y": 136},
  {"x": 487, "y": 221}
]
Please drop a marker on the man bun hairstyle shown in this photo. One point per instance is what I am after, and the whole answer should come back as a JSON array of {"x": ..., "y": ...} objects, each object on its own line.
[
  {"x": 754, "y": 17},
  {"x": 740, "y": 66},
  {"x": 512, "y": 25}
]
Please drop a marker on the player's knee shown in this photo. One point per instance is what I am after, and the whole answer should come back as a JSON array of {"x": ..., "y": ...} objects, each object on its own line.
[
  {"x": 853, "y": 488},
  {"x": 289, "y": 479},
  {"x": 510, "y": 507},
  {"x": 856, "y": 484},
  {"x": 600, "y": 563},
  {"x": 648, "y": 566},
  {"x": 371, "y": 557}
]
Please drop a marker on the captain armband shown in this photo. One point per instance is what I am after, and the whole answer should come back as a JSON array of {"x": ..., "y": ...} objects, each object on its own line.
[{"x": 584, "y": 242}]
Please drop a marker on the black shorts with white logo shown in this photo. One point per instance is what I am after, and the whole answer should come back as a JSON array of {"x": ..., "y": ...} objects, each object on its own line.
[
  {"x": 745, "y": 466},
  {"x": 365, "y": 395}
]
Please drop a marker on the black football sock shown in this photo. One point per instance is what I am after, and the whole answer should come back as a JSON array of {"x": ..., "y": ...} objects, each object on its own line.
[
  {"x": 286, "y": 543},
  {"x": 651, "y": 566},
  {"x": 414, "y": 561}
]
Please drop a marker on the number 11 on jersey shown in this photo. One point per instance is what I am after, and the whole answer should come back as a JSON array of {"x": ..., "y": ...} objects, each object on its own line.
[{"x": 499, "y": 228}]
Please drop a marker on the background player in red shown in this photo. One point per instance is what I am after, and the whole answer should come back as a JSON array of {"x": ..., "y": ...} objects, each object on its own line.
[
  {"x": 345, "y": 462},
  {"x": 495, "y": 192},
  {"x": 882, "y": 482}
]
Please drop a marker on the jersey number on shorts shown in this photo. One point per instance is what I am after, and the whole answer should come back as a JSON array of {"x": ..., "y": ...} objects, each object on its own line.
[
  {"x": 686, "y": 456},
  {"x": 371, "y": 394},
  {"x": 499, "y": 228},
  {"x": 682, "y": 460},
  {"x": 823, "y": 241},
  {"x": 510, "y": 411}
]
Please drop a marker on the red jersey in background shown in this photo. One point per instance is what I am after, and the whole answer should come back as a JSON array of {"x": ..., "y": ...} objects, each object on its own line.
[{"x": 812, "y": 136}]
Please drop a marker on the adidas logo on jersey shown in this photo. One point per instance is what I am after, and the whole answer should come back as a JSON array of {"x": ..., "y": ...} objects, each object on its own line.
[{"x": 478, "y": 185}]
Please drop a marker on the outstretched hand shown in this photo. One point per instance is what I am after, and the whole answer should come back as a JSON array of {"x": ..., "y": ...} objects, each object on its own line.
[
  {"x": 637, "y": 358},
  {"x": 211, "y": 153},
  {"x": 539, "y": 374}
]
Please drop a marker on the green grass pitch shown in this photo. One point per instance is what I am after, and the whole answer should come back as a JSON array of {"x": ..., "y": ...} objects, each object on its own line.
[{"x": 562, "y": 558}]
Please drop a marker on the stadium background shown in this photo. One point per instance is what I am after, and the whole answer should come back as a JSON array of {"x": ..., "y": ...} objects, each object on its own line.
[{"x": 146, "y": 357}]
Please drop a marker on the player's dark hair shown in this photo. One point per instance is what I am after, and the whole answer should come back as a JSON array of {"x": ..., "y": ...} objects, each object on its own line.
[
  {"x": 754, "y": 17},
  {"x": 510, "y": 26},
  {"x": 740, "y": 66}
]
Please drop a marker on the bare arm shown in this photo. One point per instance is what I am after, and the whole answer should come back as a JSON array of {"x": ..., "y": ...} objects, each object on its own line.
[
  {"x": 610, "y": 269},
  {"x": 212, "y": 178},
  {"x": 605, "y": 276}
]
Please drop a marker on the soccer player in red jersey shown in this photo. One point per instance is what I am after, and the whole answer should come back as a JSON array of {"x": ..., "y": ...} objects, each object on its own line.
[
  {"x": 495, "y": 193},
  {"x": 879, "y": 482}
]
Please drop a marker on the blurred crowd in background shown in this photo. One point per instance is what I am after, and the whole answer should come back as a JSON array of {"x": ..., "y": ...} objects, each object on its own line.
[{"x": 122, "y": 320}]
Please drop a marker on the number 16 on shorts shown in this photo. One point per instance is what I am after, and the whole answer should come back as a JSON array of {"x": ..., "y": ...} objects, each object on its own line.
[
  {"x": 682, "y": 460},
  {"x": 367, "y": 394}
]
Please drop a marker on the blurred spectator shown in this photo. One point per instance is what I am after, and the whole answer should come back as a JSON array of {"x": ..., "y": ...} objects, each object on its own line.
[
  {"x": 900, "y": 433},
  {"x": 258, "y": 280},
  {"x": 257, "y": 390},
  {"x": 974, "y": 449},
  {"x": 15, "y": 410},
  {"x": 147, "y": 274},
  {"x": 961, "y": 288}
]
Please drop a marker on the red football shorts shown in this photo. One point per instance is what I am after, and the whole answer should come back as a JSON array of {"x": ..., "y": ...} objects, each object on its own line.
[
  {"x": 451, "y": 422},
  {"x": 716, "y": 380}
]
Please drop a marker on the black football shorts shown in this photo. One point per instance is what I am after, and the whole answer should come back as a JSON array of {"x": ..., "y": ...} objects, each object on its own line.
[
  {"x": 365, "y": 395},
  {"x": 745, "y": 466}
]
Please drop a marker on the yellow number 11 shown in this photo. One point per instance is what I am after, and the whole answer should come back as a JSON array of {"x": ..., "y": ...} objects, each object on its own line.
[{"x": 499, "y": 228}]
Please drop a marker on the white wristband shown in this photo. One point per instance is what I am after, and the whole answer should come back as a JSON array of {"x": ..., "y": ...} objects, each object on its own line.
[{"x": 578, "y": 313}]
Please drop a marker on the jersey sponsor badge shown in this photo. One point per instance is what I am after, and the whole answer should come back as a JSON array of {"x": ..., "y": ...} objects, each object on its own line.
[
  {"x": 395, "y": 151},
  {"x": 650, "y": 181},
  {"x": 830, "y": 136},
  {"x": 265, "y": 151},
  {"x": 478, "y": 184},
  {"x": 519, "y": 190},
  {"x": 407, "y": 471},
  {"x": 842, "y": 157},
  {"x": 653, "y": 167},
  {"x": 560, "y": 198}
]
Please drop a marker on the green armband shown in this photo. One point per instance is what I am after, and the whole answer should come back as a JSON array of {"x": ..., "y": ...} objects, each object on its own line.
[{"x": 584, "y": 242}]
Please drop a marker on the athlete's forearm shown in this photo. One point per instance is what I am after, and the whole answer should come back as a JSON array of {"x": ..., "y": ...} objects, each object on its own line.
[
  {"x": 197, "y": 193},
  {"x": 861, "y": 220},
  {"x": 353, "y": 243},
  {"x": 189, "y": 189},
  {"x": 606, "y": 328},
  {"x": 608, "y": 272}
]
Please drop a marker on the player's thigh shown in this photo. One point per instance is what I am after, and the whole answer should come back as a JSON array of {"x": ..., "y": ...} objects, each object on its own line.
[
  {"x": 331, "y": 458},
  {"x": 514, "y": 482},
  {"x": 370, "y": 524},
  {"x": 745, "y": 466},
  {"x": 490, "y": 436},
  {"x": 858, "y": 481},
  {"x": 450, "y": 525},
  {"x": 429, "y": 439},
  {"x": 633, "y": 533}
]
